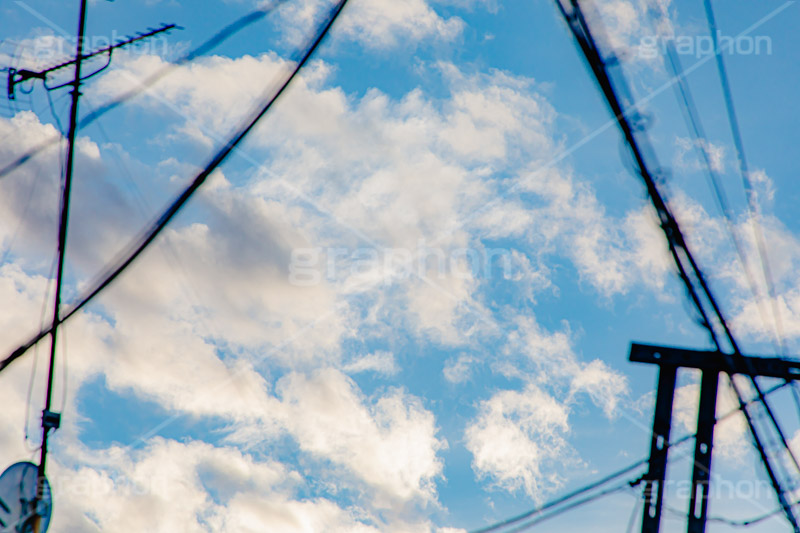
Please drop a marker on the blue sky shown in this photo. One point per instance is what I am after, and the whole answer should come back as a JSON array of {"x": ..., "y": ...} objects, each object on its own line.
[{"x": 405, "y": 303}]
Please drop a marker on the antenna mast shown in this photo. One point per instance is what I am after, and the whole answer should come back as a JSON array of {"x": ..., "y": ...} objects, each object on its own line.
[{"x": 52, "y": 420}]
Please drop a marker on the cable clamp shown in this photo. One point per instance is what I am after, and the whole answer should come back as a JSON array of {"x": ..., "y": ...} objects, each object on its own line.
[{"x": 50, "y": 420}]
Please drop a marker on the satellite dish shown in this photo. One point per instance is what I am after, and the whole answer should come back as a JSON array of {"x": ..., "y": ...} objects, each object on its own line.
[{"x": 17, "y": 493}]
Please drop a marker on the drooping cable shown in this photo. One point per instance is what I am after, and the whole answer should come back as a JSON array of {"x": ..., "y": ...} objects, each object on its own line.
[
  {"x": 35, "y": 364},
  {"x": 634, "y": 514},
  {"x": 563, "y": 499},
  {"x": 611, "y": 477},
  {"x": 695, "y": 127},
  {"x": 574, "y": 505},
  {"x": 139, "y": 244}
]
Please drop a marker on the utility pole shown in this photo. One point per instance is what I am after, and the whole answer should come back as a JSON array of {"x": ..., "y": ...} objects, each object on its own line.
[
  {"x": 711, "y": 363},
  {"x": 38, "y": 507}
]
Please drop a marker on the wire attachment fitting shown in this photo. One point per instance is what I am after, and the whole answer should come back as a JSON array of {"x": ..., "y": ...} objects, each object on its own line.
[{"x": 50, "y": 420}]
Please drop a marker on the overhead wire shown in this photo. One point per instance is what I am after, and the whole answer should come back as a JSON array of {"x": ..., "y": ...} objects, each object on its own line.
[
  {"x": 750, "y": 194},
  {"x": 552, "y": 504},
  {"x": 679, "y": 249},
  {"x": 634, "y": 514},
  {"x": 170, "y": 254},
  {"x": 695, "y": 126},
  {"x": 574, "y": 505},
  {"x": 563, "y": 499},
  {"x": 752, "y": 202},
  {"x": 746, "y": 522},
  {"x": 34, "y": 366},
  {"x": 146, "y": 237},
  {"x": 205, "y": 47}
]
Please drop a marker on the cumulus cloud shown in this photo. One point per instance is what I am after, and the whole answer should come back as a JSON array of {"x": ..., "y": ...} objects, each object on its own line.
[
  {"x": 516, "y": 439},
  {"x": 551, "y": 360},
  {"x": 191, "y": 486},
  {"x": 391, "y": 445},
  {"x": 213, "y": 308},
  {"x": 520, "y": 437}
]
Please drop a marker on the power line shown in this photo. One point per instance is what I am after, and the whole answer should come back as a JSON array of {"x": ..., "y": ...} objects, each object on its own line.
[
  {"x": 138, "y": 245},
  {"x": 682, "y": 256},
  {"x": 610, "y": 477},
  {"x": 747, "y": 183},
  {"x": 695, "y": 127},
  {"x": 574, "y": 505},
  {"x": 563, "y": 499},
  {"x": 50, "y": 419}
]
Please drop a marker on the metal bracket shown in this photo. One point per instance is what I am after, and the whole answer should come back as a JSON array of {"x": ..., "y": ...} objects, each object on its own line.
[{"x": 50, "y": 420}]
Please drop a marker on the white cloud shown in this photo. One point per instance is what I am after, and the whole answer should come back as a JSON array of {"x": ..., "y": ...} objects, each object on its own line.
[
  {"x": 391, "y": 445},
  {"x": 517, "y": 438},
  {"x": 651, "y": 257},
  {"x": 380, "y": 362},
  {"x": 378, "y": 24},
  {"x": 211, "y": 308},
  {"x": 459, "y": 370},
  {"x": 551, "y": 361},
  {"x": 686, "y": 156},
  {"x": 192, "y": 487},
  {"x": 602, "y": 384},
  {"x": 628, "y": 26}
]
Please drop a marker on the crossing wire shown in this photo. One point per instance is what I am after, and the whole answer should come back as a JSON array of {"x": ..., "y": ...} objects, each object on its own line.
[
  {"x": 679, "y": 249},
  {"x": 752, "y": 203},
  {"x": 695, "y": 127},
  {"x": 553, "y": 504},
  {"x": 138, "y": 245}
]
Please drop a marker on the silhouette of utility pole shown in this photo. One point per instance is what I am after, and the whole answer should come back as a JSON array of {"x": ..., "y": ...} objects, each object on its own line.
[
  {"x": 50, "y": 419},
  {"x": 710, "y": 363}
]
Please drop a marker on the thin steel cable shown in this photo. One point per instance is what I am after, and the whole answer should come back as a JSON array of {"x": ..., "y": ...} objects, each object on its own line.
[
  {"x": 695, "y": 127},
  {"x": 29, "y": 395},
  {"x": 563, "y": 499},
  {"x": 138, "y": 245},
  {"x": 621, "y": 472},
  {"x": 678, "y": 246},
  {"x": 752, "y": 202},
  {"x": 634, "y": 514},
  {"x": 602, "y": 494}
]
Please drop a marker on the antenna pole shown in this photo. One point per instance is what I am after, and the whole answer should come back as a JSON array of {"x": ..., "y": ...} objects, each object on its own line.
[{"x": 51, "y": 420}]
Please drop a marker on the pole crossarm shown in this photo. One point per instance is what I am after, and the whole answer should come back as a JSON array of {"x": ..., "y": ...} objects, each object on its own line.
[
  {"x": 771, "y": 367},
  {"x": 15, "y": 77}
]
